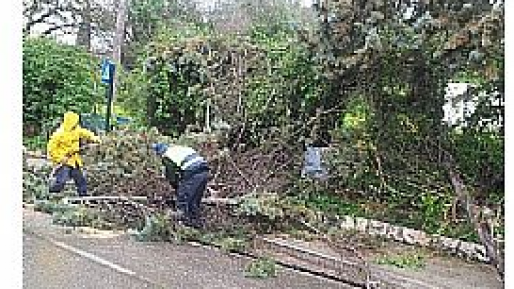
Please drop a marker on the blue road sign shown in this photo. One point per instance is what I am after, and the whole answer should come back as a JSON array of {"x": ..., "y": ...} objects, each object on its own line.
[
  {"x": 107, "y": 71},
  {"x": 108, "y": 78}
]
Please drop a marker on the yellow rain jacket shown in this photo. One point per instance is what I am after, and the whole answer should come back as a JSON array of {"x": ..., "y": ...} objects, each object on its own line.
[{"x": 64, "y": 142}]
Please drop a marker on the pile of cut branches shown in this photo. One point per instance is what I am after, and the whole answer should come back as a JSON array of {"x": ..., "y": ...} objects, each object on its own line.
[{"x": 125, "y": 165}]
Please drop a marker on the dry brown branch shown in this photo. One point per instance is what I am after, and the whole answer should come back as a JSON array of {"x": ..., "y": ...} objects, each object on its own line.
[{"x": 238, "y": 170}]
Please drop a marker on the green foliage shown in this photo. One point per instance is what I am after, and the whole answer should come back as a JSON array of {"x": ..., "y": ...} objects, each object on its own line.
[
  {"x": 356, "y": 117},
  {"x": 426, "y": 213},
  {"x": 302, "y": 234},
  {"x": 263, "y": 267},
  {"x": 35, "y": 187},
  {"x": 156, "y": 228},
  {"x": 159, "y": 228},
  {"x": 183, "y": 234},
  {"x": 72, "y": 216},
  {"x": 406, "y": 260},
  {"x": 481, "y": 159},
  {"x": 432, "y": 210},
  {"x": 50, "y": 207},
  {"x": 368, "y": 80},
  {"x": 463, "y": 231},
  {"x": 35, "y": 182},
  {"x": 232, "y": 240},
  {"x": 37, "y": 142},
  {"x": 75, "y": 217},
  {"x": 56, "y": 78},
  {"x": 331, "y": 204},
  {"x": 267, "y": 17},
  {"x": 261, "y": 206},
  {"x": 243, "y": 79},
  {"x": 166, "y": 88},
  {"x": 398, "y": 67},
  {"x": 285, "y": 90},
  {"x": 148, "y": 17},
  {"x": 272, "y": 211},
  {"x": 230, "y": 244}
]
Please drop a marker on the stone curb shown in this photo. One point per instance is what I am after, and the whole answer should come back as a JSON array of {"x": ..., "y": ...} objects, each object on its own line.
[
  {"x": 463, "y": 249},
  {"x": 456, "y": 247}
]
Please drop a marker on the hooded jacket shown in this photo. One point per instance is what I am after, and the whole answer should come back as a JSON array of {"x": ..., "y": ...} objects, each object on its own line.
[{"x": 65, "y": 141}]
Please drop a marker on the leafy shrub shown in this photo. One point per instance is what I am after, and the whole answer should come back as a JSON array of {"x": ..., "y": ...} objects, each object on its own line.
[
  {"x": 412, "y": 260},
  {"x": 263, "y": 267},
  {"x": 56, "y": 78}
]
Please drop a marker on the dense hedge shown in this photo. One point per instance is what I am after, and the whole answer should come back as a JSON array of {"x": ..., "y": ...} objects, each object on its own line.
[{"x": 56, "y": 78}]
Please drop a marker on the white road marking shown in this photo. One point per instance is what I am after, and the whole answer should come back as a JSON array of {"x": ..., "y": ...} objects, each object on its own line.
[{"x": 93, "y": 258}]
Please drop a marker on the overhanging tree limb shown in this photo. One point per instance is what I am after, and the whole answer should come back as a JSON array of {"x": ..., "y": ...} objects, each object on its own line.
[
  {"x": 59, "y": 27},
  {"x": 39, "y": 19},
  {"x": 480, "y": 217}
]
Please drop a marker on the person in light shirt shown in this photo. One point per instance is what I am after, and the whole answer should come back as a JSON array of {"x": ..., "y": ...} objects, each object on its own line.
[{"x": 188, "y": 173}]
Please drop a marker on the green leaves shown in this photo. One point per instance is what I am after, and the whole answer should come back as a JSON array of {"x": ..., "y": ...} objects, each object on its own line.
[
  {"x": 156, "y": 228},
  {"x": 266, "y": 206},
  {"x": 35, "y": 186},
  {"x": 263, "y": 267},
  {"x": 263, "y": 77},
  {"x": 408, "y": 260},
  {"x": 56, "y": 78}
]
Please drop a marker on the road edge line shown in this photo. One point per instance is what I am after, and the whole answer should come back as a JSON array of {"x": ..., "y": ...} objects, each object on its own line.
[{"x": 93, "y": 257}]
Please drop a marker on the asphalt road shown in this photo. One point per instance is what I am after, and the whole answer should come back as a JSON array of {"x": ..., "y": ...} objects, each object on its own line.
[
  {"x": 49, "y": 266},
  {"x": 55, "y": 259}
]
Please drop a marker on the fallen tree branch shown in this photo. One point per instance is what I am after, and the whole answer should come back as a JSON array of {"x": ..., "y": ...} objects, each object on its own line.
[
  {"x": 239, "y": 171},
  {"x": 480, "y": 217}
]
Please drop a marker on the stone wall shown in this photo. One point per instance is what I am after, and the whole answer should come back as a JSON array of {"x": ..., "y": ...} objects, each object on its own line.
[{"x": 463, "y": 249}]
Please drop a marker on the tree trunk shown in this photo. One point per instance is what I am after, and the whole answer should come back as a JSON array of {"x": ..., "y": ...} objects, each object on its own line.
[
  {"x": 119, "y": 38},
  {"x": 481, "y": 221},
  {"x": 84, "y": 33}
]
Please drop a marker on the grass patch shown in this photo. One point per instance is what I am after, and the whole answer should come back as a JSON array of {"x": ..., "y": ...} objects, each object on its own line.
[
  {"x": 335, "y": 205},
  {"x": 263, "y": 267},
  {"x": 331, "y": 204},
  {"x": 406, "y": 260},
  {"x": 301, "y": 234}
]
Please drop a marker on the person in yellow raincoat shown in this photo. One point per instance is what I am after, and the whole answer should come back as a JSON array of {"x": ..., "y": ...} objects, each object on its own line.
[{"x": 63, "y": 150}]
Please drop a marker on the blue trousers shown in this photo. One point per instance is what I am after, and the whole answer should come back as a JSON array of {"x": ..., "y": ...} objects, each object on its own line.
[
  {"x": 63, "y": 174},
  {"x": 191, "y": 189}
]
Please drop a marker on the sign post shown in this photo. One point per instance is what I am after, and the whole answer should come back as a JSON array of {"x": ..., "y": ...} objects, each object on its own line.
[{"x": 108, "y": 70}]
